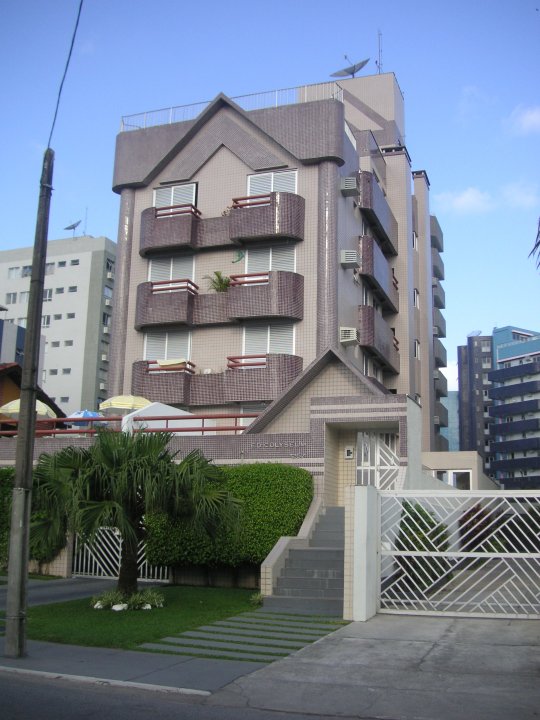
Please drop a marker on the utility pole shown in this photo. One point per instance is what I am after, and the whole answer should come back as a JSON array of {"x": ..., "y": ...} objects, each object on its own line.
[{"x": 15, "y": 641}]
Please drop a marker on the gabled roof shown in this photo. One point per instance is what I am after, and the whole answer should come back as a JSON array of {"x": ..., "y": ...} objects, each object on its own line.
[
  {"x": 330, "y": 355},
  {"x": 13, "y": 371}
]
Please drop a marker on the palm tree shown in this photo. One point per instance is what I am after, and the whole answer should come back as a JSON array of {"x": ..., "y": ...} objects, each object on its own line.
[
  {"x": 218, "y": 281},
  {"x": 119, "y": 480},
  {"x": 536, "y": 247}
]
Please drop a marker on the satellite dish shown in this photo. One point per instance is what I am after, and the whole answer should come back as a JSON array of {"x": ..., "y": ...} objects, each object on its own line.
[
  {"x": 474, "y": 333},
  {"x": 73, "y": 225},
  {"x": 351, "y": 69}
]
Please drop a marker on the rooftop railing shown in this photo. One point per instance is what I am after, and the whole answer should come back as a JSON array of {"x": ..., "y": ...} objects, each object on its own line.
[{"x": 254, "y": 101}]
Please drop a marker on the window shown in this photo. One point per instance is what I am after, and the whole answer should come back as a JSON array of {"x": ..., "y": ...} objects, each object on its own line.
[
  {"x": 165, "y": 197},
  {"x": 109, "y": 265},
  {"x": 26, "y": 271},
  {"x": 106, "y": 320},
  {"x": 61, "y": 263},
  {"x": 23, "y": 296},
  {"x": 55, "y": 343},
  {"x": 64, "y": 399},
  {"x": 107, "y": 292},
  {"x": 21, "y": 322},
  {"x": 416, "y": 298},
  {"x": 416, "y": 348},
  {"x": 49, "y": 268},
  {"x": 47, "y": 295},
  {"x": 176, "y": 267},
  {"x": 57, "y": 317},
  {"x": 72, "y": 288},
  {"x": 68, "y": 343},
  {"x": 273, "y": 258},
  {"x": 11, "y": 298},
  {"x": 70, "y": 316},
  {"x": 75, "y": 261},
  {"x": 415, "y": 240},
  {"x": 45, "y": 321},
  {"x": 264, "y": 183},
  {"x": 14, "y": 272},
  {"x": 167, "y": 345},
  {"x": 264, "y": 339},
  {"x": 66, "y": 371},
  {"x": 59, "y": 291},
  {"x": 54, "y": 371}
]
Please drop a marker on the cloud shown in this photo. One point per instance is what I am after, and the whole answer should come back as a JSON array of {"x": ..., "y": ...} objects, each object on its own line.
[
  {"x": 470, "y": 201},
  {"x": 521, "y": 195},
  {"x": 524, "y": 120}
]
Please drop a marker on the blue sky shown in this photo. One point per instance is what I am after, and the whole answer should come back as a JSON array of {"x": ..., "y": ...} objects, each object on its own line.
[{"x": 469, "y": 71}]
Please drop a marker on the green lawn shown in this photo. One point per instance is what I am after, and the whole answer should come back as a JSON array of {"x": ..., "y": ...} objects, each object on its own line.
[{"x": 185, "y": 608}]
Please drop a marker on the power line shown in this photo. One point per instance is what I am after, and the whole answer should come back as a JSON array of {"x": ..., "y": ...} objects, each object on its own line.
[{"x": 65, "y": 72}]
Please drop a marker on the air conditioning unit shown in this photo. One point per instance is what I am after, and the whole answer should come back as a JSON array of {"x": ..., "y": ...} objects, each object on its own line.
[
  {"x": 349, "y": 186},
  {"x": 108, "y": 302},
  {"x": 348, "y": 335},
  {"x": 102, "y": 385},
  {"x": 349, "y": 259},
  {"x": 106, "y": 330},
  {"x": 110, "y": 276},
  {"x": 104, "y": 357}
]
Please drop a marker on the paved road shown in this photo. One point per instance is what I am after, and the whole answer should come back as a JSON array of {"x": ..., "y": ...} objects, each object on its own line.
[{"x": 43, "y": 592}]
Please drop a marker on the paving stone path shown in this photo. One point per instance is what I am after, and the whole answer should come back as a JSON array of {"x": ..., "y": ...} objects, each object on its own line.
[{"x": 258, "y": 636}]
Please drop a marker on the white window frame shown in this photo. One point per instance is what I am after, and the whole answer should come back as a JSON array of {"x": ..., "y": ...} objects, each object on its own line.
[
  {"x": 272, "y": 175},
  {"x": 167, "y": 333},
  {"x": 268, "y": 328},
  {"x": 160, "y": 191}
]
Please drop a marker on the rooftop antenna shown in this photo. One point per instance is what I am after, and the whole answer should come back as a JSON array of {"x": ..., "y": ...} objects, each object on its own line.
[
  {"x": 73, "y": 226},
  {"x": 351, "y": 69},
  {"x": 378, "y": 63}
]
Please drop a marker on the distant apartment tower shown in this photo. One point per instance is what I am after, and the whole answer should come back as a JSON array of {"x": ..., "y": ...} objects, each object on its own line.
[
  {"x": 76, "y": 317},
  {"x": 475, "y": 360},
  {"x": 515, "y": 413},
  {"x": 309, "y": 205}
]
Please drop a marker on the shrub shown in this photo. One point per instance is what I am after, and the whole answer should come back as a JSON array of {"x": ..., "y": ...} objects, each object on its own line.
[
  {"x": 7, "y": 476},
  {"x": 144, "y": 600},
  {"x": 274, "y": 501},
  {"x": 479, "y": 530}
]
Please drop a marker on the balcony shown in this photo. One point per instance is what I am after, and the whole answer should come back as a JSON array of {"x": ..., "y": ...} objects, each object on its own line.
[
  {"x": 439, "y": 297},
  {"x": 439, "y": 353},
  {"x": 439, "y": 323},
  {"x": 437, "y": 264},
  {"x": 169, "y": 228},
  {"x": 168, "y": 302},
  {"x": 161, "y": 382},
  {"x": 374, "y": 205},
  {"x": 376, "y": 336},
  {"x": 521, "y": 445},
  {"x": 440, "y": 384},
  {"x": 265, "y": 217},
  {"x": 276, "y": 294},
  {"x": 516, "y": 371},
  {"x": 378, "y": 274},
  {"x": 259, "y": 377},
  {"x": 516, "y": 390},
  {"x": 517, "y": 464},
  {"x": 516, "y": 408},
  {"x": 513, "y": 428},
  {"x": 441, "y": 415}
]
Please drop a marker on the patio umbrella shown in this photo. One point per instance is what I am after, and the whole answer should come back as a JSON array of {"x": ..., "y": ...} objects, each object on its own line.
[
  {"x": 124, "y": 402},
  {"x": 13, "y": 409},
  {"x": 85, "y": 415}
]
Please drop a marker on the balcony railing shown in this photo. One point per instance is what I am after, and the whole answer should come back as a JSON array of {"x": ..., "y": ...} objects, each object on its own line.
[
  {"x": 184, "y": 209},
  {"x": 249, "y": 279},
  {"x": 251, "y": 201},
  {"x": 166, "y": 286},
  {"x": 375, "y": 268},
  {"x": 279, "y": 214},
  {"x": 168, "y": 366},
  {"x": 237, "y": 362},
  {"x": 376, "y": 336},
  {"x": 165, "y": 302}
]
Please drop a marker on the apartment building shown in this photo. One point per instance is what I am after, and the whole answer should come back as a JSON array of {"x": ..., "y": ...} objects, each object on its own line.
[
  {"x": 76, "y": 316},
  {"x": 308, "y": 206},
  {"x": 515, "y": 412},
  {"x": 475, "y": 360}
]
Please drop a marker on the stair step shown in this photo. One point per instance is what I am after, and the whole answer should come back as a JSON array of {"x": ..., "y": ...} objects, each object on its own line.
[
  {"x": 205, "y": 652},
  {"x": 309, "y": 592},
  {"x": 306, "y": 582},
  {"x": 322, "y": 573},
  {"x": 301, "y": 606}
]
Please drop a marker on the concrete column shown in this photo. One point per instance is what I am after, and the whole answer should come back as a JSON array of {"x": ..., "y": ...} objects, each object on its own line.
[
  {"x": 327, "y": 259},
  {"x": 365, "y": 584},
  {"x": 121, "y": 294}
]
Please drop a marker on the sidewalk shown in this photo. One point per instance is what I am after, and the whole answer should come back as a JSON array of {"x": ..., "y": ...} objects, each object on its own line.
[{"x": 399, "y": 667}]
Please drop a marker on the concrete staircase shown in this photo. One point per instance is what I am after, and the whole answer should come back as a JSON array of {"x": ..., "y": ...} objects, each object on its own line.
[{"x": 312, "y": 580}]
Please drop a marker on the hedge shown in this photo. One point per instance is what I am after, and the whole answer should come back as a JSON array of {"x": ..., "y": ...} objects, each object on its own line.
[
  {"x": 7, "y": 476},
  {"x": 274, "y": 501}
]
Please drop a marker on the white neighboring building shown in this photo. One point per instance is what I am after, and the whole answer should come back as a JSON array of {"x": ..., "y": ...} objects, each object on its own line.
[{"x": 76, "y": 316}]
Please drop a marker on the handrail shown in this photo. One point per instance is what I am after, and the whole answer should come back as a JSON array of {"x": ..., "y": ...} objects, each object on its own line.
[
  {"x": 202, "y": 428},
  {"x": 250, "y": 279},
  {"x": 251, "y": 201},
  {"x": 183, "y": 284},
  {"x": 153, "y": 366},
  {"x": 183, "y": 209},
  {"x": 243, "y": 361}
]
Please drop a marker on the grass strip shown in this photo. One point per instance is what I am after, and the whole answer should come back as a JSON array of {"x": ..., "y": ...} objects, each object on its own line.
[{"x": 186, "y": 608}]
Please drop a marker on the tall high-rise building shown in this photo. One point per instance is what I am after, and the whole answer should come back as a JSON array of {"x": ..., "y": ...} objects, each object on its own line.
[
  {"x": 76, "y": 316},
  {"x": 252, "y": 239}
]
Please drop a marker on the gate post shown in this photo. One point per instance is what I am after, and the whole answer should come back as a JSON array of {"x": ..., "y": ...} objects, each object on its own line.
[{"x": 365, "y": 585}]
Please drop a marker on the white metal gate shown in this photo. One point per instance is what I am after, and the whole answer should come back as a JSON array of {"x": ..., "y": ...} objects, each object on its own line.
[
  {"x": 471, "y": 552},
  {"x": 102, "y": 558}
]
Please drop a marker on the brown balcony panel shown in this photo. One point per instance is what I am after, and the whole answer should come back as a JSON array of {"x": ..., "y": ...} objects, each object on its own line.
[
  {"x": 162, "y": 308},
  {"x": 440, "y": 384},
  {"x": 207, "y": 389},
  {"x": 439, "y": 296},
  {"x": 168, "y": 386},
  {"x": 281, "y": 297},
  {"x": 283, "y": 217},
  {"x": 245, "y": 384},
  {"x": 166, "y": 233},
  {"x": 378, "y": 273},
  {"x": 214, "y": 232},
  {"x": 375, "y": 335},
  {"x": 373, "y": 203},
  {"x": 439, "y": 353},
  {"x": 437, "y": 264},
  {"x": 439, "y": 322},
  {"x": 442, "y": 413},
  {"x": 211, "y": 309}
]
